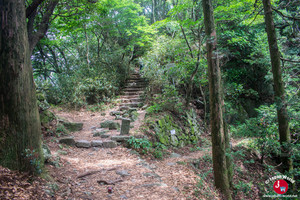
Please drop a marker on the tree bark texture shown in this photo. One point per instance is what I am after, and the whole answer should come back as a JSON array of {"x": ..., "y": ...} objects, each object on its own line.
[
  {"x": 216, "y": 104},
  {"x": 19, "y": 117},
  {"x": 282, "y": 115}
]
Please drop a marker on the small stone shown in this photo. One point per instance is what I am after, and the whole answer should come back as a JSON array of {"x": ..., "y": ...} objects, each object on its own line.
[
  {"x": 95, "y": 149},
  {"x": 171, "y": 164},
  {"x": 88, "y": 193},
  {"x": 83, "y": 144},
  {"x": 152, "y": 166},
  {"x": 133, "y": 152},
  {"x": 96, "y": 143},
  {"x": 93, "y": 127},
  {"x": 175, "y": 155},
  {"x": 109, "y": 144},
  {"x": 176, "y": 189},
  {"x": 151, "y": 175},
  {"x": 122, "y": 173},
  {"x": 103, "y": 114},
  {"x": 67, "y": 140},
  {"x": 123, "y": 197}
]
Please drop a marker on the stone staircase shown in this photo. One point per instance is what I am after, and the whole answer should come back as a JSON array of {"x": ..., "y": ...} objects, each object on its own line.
[
  {"x": 133, "y": 92},
  {"x": 131, "y": 100}
]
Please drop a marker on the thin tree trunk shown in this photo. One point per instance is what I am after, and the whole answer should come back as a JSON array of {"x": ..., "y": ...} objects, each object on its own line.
[
  {"x": 216, "y": 104},
  {"x": 282, "y": 115},
  {"x": 153, "y": 12},
  {"x": 87, "y": 47},
  {"x": 19, "y": 118}
]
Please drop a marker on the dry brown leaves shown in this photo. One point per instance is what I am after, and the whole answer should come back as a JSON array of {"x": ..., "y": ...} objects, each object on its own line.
[{"x": 15, "y": 185}]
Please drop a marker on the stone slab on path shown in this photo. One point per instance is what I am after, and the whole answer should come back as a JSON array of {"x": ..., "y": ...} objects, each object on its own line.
[
  {"x": 83, "y": 144},
  {"x": 73, "y": 126},
  {"x": 67, "y": 140},
  {"x": 120, "y": 138},
  {"x": 109, "y": 144},
  {"x": 96, "y": 143}
]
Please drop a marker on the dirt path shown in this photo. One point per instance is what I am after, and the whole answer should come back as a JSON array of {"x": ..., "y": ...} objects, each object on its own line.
[{"x": 139, "y": 179}]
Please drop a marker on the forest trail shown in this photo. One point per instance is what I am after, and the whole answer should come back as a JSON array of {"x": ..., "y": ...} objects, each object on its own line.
[{"x": 87, "y": 173}]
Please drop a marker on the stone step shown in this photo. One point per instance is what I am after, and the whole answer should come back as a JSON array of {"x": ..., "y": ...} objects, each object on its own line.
[
  {"x": 133, "y": 93},
  {"x": 98, "y": 143},
  {"x": 135, "y": 86},
  {"x": 133, "y": 79},
  {"x": 133, "y": 89},
  {"x": 130, "y": 96},
  {"x": 142, "y": 80},
  {"x": 132, "y": 105},
  {"x": 120, "y": 138},
  {"x": 133, "y": 100}
]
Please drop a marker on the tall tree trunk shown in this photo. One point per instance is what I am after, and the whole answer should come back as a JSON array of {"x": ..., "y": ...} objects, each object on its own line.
[
  {"x": 216, "y": 104},
  {"x": 19, "y": 117},
  {"x": 283, "y": 122}
]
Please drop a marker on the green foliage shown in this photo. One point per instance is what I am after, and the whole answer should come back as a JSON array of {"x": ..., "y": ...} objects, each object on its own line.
[
  {"x": 93, "y": 90},
  {"x": 244, "y": 187},
  {"x": 61, "y": 130},
  {"x": 167, "y": 101},
  {"x": 32, "y": 156},
  {"x": 139, "y": 144}
]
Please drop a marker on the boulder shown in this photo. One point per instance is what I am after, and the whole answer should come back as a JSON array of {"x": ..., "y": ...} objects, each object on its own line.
[
  {"x": 109, "y": 144},
  {"x": 114, "y": 126},
  {"x": 99, "y": 132},
  {"x": 71, "y": 126},
  {"x": 83, "y": 144},
  {"x": 110, "y": 124},
  {"x": 67, "y": 140}
]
